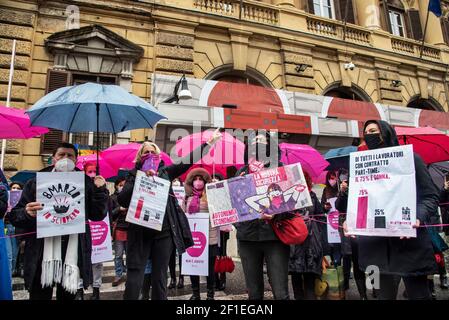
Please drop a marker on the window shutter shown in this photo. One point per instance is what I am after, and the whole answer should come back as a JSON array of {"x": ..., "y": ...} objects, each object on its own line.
[
  {"x": 445, "y": 27},
  {"x": 55, "y": 79},
  {"x": 310, "y": 6},
  {"x": 340, "y": 10},
  {"x": 386, "y": 15},
  {"x": 414, "y": 24}
]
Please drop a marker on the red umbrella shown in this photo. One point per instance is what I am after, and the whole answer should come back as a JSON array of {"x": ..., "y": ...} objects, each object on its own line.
[{"x": 431, "y": 144}]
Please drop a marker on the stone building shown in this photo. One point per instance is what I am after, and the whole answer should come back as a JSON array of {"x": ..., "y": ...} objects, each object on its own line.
[{"x": 302, "y": 48}]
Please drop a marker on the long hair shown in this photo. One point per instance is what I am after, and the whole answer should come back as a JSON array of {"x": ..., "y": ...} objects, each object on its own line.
[{"x": 142, "y": 147}]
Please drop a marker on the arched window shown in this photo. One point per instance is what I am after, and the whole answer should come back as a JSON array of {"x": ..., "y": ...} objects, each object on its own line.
[
  {"x": 351, "y": 93},
  {"x": 425, "y": 104},
  {"x": 228, "y": 74}
]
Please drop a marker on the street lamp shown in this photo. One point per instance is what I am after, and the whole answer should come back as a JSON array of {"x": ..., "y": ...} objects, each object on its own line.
[{"x": 183, "y": 94}]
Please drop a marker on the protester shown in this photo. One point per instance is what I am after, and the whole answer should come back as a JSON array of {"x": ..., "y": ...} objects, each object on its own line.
[
  {"x": 24, "y": 216},
  {"x": 411, "y": 259},
  {"x": 12, "y": 244},
  {"x": 144, "y": 243},
  {"x": 196, "y": 202},
  {"x": 119, "y": 232},
  {"x": 220, "y": 278},
  {"x": 146, "y": 286},
  {"x": 306, "y": 259},
  {"x": 444, "y": 201},
  {"x": 331, "y": 191},
  {"x": 256, "y": 239},
  {"x": 5, "y": 275},
  {"x": 349, "y": 246},
  {"x": 172, "y": 264}
]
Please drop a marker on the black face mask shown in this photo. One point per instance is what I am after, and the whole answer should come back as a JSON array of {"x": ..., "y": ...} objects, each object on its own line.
[{"x": 373, "y": 140}]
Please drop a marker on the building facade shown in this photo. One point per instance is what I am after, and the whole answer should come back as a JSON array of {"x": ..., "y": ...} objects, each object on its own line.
[{"x": 362, "y": 50}]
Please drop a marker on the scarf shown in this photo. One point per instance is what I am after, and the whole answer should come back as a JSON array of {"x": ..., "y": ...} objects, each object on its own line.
[
  {"x": 52, "y": 269},
  {"x": 194, "y": 205}
]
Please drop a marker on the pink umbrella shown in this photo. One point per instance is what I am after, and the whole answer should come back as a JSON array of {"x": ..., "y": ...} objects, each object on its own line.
[
  {"x": 106, "y": 169},
  {"x": 309, "y": 158},
  {"x": 15, "y": 124},
  {"x": 431, "y": 144},
  {"x": 218, "y": 169},
  {"x": 228, "y": 151},
  {"x": 121, "y": 156}
]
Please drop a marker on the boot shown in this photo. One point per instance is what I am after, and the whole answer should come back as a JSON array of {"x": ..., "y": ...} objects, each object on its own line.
[
  {"x": 210, "y": 294},
  {"x": 145, "y": 295},
  {"x": 361, "y": 288},
  {"x": 196, "y": 294},
  {"x": 432, "y": 289},
  {"x": 181, "y": 282},
  {"x": 79, "y": 294},
  {"x": 217, "y": 281},
  {"x": 443, "y": 282},
  {"x": 172, "y": 284},
  {"x": 95, "y": 294},
  {"x": 222, "y": 282}
]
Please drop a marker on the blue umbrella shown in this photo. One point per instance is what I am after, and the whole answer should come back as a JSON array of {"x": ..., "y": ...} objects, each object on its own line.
[
  {"x": 23, "y": 176},
  {"x": 93, "y": 107},
  {"x": 339, "y": 157}
]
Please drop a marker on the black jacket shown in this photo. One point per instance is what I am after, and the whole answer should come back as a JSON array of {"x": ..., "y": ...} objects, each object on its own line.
[
  {"x": 3, "y": 202},
  {"x": 117, "y": 216},
  {"x": 95, "y": 205},
  {"x": 444, "y": 198},
  {"x": 175, "y": 222},
  {"x": 406, "y": 257},
  {"x": 308, "y": 256}
]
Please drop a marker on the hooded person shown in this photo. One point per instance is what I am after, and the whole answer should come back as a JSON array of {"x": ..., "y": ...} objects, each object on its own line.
[
  {"x": 145, "y": 243},
  {"x": 5, "y": 274},
  {"x": 411, "y": 259},
  {"x": 257, "y": 241},
  {"x": 59, "y": 261},
  {"x": 196, "y": 203}
]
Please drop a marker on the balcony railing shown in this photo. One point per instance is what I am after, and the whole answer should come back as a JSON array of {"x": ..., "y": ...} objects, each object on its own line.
[
  {"x": 413, "y": 48},
  {"x": 250, "y": 11}
]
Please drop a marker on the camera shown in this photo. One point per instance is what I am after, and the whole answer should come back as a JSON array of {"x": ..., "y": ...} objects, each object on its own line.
[{"x": 349, "y": 66}]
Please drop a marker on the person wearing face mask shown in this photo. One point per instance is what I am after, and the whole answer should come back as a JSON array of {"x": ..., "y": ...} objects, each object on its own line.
[
  {"x": 119, "y": 232},
  {"x": 256, "y": 239},
  {"x": 305, "y": 264},
  {"x": 38, "y": 252},
  {"x": 145, "y": 243},
  {"x": 409, "y": 259},
  {"x": 12, "y": 242},
  {"x": 330, "y": 191},
  {"x": 196, "y": 202}
]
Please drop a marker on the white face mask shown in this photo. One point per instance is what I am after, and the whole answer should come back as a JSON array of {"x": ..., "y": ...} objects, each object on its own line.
[
  {"x": 65, "y": 165},
  {"x": 119, "y": 189}
]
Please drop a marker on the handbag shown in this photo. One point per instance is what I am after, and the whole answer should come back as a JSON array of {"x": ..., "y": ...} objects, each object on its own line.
[
  {"x": 224, "y": 264},
  {"x": 291, "y": 230}
]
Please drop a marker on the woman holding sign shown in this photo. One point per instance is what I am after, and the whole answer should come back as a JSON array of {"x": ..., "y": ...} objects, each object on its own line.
[
  {"x": 408, "y": 258},
  {"x": 144, "y": 243}
]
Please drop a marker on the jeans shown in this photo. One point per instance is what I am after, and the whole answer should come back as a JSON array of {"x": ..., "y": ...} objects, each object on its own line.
[
  {"x": 120, "y": 248},
  {"x": 276, "y": 254},
  {"x": 97, "y": 272},
  {"x": 417, "y": 287},
  {"x": 148, "y": 267},
  {"x": 11, "y": 247}
]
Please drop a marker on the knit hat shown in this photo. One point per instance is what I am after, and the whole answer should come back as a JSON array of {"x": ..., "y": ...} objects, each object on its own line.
[{"x": 188, "y": 185}]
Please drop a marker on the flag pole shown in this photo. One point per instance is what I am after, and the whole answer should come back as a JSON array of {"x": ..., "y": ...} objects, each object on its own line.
[
  {"x": 8, "y": 97},
  {"x": 424, "y": 35}
]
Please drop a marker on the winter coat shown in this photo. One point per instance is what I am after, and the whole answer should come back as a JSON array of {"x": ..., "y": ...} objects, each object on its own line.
[
  {"x": 329, "y": 192},
  {"x": 308, "y": 256},
  {"x": 258, "y": 229},
  {"x": 341, "y": 204},
  {"x": 444, "y": 198},
  {"x": 95, "y": 205},
  {"x": 118, "y": 216},
  {"x": 175, "y": 223},
  {"x": 3, "y": 202},
  {"x": 407, "y": 257}
]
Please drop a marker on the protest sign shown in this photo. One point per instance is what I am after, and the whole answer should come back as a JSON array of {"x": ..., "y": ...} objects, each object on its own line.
[
  {"x": 13, "y": 198},
  {"x": 382, "y": 193},
  {"x": 101, "y": 240},
  {"x": 63, "y": 202},
  {"x": 180, "y": 194},
  {"x": 332, "y": 223},
  {"x": 195, "y": 261},
  {"x": 148, "y": 202},
  {"x": 274, "y": 191}
]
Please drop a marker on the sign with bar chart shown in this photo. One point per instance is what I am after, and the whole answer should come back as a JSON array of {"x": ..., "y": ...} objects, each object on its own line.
[{"x": 382, "y": 193}]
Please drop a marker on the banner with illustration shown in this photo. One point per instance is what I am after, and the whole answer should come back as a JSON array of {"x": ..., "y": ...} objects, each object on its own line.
[
  {"x": 148, "y": 202},
  {"x": 382, "y": 193},
  {"x": 195, "y": 261},
  {"x": 273, "y": 191},
  {"x": 332, "y": 223},
  {"x": 100, "y": 232},
  {"x": 62, "y": 195}
]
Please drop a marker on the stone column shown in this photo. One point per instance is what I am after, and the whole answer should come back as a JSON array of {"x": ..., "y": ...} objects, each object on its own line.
[
  {"x": 434, "y": 34},
  {"x": 368, "y": 12}
]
